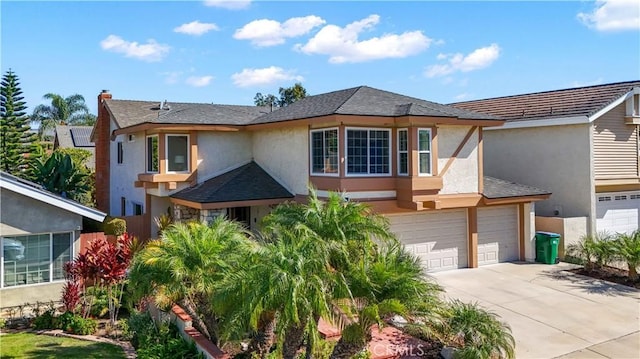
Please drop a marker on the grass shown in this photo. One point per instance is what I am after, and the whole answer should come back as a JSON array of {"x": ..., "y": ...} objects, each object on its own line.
[{"x": 30, "y": 345}]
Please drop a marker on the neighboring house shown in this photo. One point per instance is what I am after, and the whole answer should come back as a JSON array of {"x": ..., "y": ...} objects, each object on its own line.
[
  {"x": 418, "y": 162},
  {"x": 39, "y": 232},
  {"x": 581, "y": 144},
  {"x": 78, "y": 137}
]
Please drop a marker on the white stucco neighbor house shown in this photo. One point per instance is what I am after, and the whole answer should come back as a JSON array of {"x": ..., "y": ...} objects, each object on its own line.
[
  {"x": 418, "y": 162},
  {"x": 39, "y": 232},
  {"x": 580, "y": 143}
]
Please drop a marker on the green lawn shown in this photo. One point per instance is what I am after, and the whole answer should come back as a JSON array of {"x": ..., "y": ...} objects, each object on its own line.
[{"x": 29, "y": 345}]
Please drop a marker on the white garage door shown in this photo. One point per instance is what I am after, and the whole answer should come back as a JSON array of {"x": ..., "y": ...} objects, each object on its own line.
[
  {"x": 617, "y": 212},
  {"x": 497, "y": 234},
  {"x": 439, "y": 238}
]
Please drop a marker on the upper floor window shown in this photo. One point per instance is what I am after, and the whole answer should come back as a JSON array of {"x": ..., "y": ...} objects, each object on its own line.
[
  {"x": 120, "y": 153},
  {"x": 424, "y": 151},
  {"x": 177, "y": 153},
  {"x": 403, "y": 152},
  {"x": 152, "y": 154},
  {"x": 324, "y": 151},
  {"x": 368, "y": 152}
]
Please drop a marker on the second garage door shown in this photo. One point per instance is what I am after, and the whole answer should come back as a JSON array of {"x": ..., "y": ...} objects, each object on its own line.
[
  {"x": 439, "y": 238},
  {"x": 497, "y": 234},
  {"x": 618, "y": 212}
]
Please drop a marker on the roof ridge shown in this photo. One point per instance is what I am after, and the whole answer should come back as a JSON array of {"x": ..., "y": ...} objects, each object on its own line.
[
  {"x": 547, "y": 91},
  {"x": 357, "y": 88}
]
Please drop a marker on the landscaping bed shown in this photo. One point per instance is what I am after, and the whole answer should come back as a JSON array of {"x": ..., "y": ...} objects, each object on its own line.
[{"x": 609, "y": 274}]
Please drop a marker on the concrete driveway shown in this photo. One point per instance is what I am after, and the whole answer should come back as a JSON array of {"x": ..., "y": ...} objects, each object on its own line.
[{"x": 553, "y": 313}]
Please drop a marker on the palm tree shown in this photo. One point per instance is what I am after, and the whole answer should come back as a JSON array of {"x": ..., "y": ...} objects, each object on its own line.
[
  {"x": 59, "y": 174},
  {"x": 627, "y": 248},
  {"x": 186, "y": 263},
  {"x": 70, "y": 110}
]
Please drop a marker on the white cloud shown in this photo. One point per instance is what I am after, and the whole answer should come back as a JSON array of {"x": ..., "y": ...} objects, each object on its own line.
[
  {"x": 342, "y": 43},
  {"x": 265, "y": 32},
  {"x": 196, "y": 28},
  {"x": 613, "y": 15},
  {"x": 264, "y": 76},
  {"x": 597, "y": 81},
  {"x": 476, "y": 60},
  {"x": 462, "y": 96},
  {"x": 171, "y": 77},
  {"x": 151, "y": 51},
  {"x": 198, "y": 81},
  {"x": 229, "y": 4}
]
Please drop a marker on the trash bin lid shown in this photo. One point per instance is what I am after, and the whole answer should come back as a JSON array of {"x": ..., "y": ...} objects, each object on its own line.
[{"x": 548, "y": 234}]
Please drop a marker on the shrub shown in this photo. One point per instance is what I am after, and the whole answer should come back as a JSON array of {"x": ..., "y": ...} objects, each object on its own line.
[
  {"x": 46, "y": 320},
  {"x": 81, "y": 326},
  {"x": 627, "y": 249},
  {"x": 593, "y": 251},
  {"x": 153, "y": 342},
  {"x": 115, "y": 226}
]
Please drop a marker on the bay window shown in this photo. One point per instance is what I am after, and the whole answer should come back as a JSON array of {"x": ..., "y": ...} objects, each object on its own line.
[
  {"x": 424, "y": 151},
  {"x": 403, "y": 152},
  {"x": 368, "y": 152},
  {"x": 152, "y": 154},
  {"x": 37, "y": 258},
  {"x": 324, "y": 151},
  {"x": 177, "y": 153}
]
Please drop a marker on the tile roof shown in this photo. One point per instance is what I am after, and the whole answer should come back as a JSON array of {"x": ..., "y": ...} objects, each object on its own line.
[
  {"x": 582, "y": 101},
  {"x": 495, "y": 188},
  {"x": 246, "y": 183},
  {"x": 129, "y": 113},
  {"x": 365, "y": 101}
]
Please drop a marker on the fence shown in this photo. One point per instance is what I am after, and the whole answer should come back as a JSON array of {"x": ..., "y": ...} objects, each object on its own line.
[{"x": 138, "y": 226}]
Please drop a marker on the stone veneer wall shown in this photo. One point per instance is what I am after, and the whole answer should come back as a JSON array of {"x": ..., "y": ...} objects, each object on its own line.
[
  {"x": 184, "y": 213},
  {"x": 208, "y": 215}
]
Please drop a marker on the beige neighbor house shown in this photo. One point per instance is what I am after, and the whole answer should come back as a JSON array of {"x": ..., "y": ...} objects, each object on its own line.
[
  {"x": 418, "y": 162},
  {"x": 581, "y": 144},
  {"x": 39, "y": 232},
  {"x": 78, "y": 137}
]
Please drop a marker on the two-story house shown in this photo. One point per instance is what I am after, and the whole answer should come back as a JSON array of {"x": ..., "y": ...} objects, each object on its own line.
[
  {"x": 418, "y": 162},
  {"x": 580, "y": 143}
]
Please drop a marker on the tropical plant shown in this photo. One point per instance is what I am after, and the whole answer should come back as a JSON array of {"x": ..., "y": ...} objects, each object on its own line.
[
  {"x": 16, "y": 139},
  {"x": 70, "y": 110},
  {"x": 60, "y": 175},
  {"x": 185, "y": 265},
  {"x": 593, "y": 251},
  {"x": 627, "y": 248},
  {"x": 478, "y": 333},
  {"x": 163, "y": 222}
]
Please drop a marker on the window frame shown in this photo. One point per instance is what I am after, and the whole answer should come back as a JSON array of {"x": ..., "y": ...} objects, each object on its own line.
[
  {"x": 323, "y": 130},
  {"x": 51, "y": 259},
  {"x": 400, "y": 152},
  {"x": 146, "y": 151},
  {"x": 119, "y": 152},
  {"x": 166, "y": 152},
  {"x": 421, "y": 152},
  {"x": 389, "y": 173}
]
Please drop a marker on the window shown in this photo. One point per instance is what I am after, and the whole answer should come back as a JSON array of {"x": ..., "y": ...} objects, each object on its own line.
[
  {"x": 324, "y": 151},
  {"x": 368, "y": 152},
  {"x": 137, "y": 209},
  {"x": 634, "y": 196},
  {"x": 152, "y": 154},
  {"x": 604, "y": 199},
  {"x": 620, "y": 198},
  {"x": 403, "y": 152},
  {"x": 120, "y": 153},
  {"x": 123, "y": 206},
  {"x": 35, "y": 259},
  {"x": 424, "y": 152},
  {"x": 177, "y": 153}
]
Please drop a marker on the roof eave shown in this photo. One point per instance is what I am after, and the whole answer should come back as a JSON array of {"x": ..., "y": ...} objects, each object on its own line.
[
  {"x": 515, "y": 199},
  {"x": 616, "y": 102}
]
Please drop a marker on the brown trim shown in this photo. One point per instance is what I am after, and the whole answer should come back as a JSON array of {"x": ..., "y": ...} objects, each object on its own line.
[
  {"x": 457, "y": 151},
  {"x": 480, "y": 162},
  {"x": 426, "y": 120},
  {"x": 390, "y": 207},
  {"x": 514, "y": 200},
  {"x": 353, "y": 184},
  {"x": 174, "y": 127},
  {"x": 167, "y": 177},
  {"x": 434, "y": 151},
  {"x": 193, "y": 153},
  {"x": 472, "y": 234},
  {"x": 521, "y": 234},
  {"x": 413, "y": 151},
  {"x": 458, "y": 200},
  {"x": 218, "y": 205},
  {"x": 162, "y": 152},
  {"x": 617, "y": 185}
]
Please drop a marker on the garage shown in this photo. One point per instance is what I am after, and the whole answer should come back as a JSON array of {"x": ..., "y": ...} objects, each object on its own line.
[
  {"x": 497, "y": 234},
  {"x": 617, "y": 212},
  {"x": 439, "y": 238}
]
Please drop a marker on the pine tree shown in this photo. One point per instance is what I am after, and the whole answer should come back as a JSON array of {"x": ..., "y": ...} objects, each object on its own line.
[{"x": 16, "y": 141}]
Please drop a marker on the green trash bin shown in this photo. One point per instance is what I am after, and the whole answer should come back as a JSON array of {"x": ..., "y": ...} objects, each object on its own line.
[{"x": 547, "y": 247}]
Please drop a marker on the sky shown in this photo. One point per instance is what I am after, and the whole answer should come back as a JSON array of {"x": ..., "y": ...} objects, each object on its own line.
[{"x": 227, "y": 51}]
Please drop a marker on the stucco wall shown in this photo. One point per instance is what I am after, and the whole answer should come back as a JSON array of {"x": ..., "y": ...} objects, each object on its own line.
[
  {"x": 218, "y": 151},
  {"x": 24, "y": 215},
  {"x": 284, "y": 154},
  {"x": 554, "y": 158},
  {"x": 43, "y": 293},
  {"x": 529, "y": 232},
  {"x": 569, "y": 229},
  {"x": 124, "y": 175},
  {"x": 462, "y": 176},
  {"x": 159, "y": 206}
]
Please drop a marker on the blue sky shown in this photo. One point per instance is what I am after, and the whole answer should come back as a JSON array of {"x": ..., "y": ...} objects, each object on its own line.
[{"x": 225, "y": 52}]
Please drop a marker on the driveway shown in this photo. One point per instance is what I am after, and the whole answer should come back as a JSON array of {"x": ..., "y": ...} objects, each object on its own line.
[{"x": 553, "y": 313}]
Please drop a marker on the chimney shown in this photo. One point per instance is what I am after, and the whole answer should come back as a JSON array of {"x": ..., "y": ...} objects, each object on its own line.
[{"x": 102, "y": 139}]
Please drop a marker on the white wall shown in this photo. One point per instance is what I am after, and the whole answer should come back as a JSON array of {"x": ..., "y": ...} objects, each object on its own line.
[
  {"x": 159, "y": 207},
  {"x": 218, "y": 151},
  {"x": 123, "y": 176},
  {"x": 554, "y": 158},
  {"x": 284, "y": 154},
  {"x": 257, "y": 213},
  {"x": 462, "y": 176}
]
